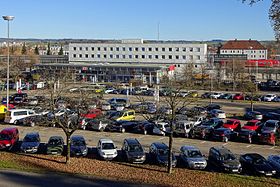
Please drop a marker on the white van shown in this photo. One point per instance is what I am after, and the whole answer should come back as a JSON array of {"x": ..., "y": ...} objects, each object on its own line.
[{"x": 14, "y": 115}]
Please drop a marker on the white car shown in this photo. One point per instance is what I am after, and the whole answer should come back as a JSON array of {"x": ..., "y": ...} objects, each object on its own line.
[
  {"x": 14, "y": 115},
  {"x": 105, "y": 106},
  {"x": 269, "y": 97},
  {"x": 161, "y": 128},
  {"x": 106, "y": 149},
  {"x": 216, "y": 95},
  {"x": 217, "y": 113}
]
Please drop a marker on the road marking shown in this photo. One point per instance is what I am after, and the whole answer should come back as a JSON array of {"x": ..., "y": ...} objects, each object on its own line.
[
  {"x": 141, "y": 137},
  {"x": 248, "y": 145},
  {"x": 161, "y": 138},
  {"x": 203, "y": 142},
  {"x": 272, "y": 147},
  {"x": 119, "y": 135},
  {"x": 225, "y": 143}
]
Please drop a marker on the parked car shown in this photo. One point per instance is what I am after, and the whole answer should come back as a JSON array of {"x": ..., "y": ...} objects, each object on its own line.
[
  {"x": 276, "y": 99},
  {"x": 212, "y": 106},
  {"x": 182, "y": 128},
  {"x": 144, "y": 127},
  {"x": 206, "y": 95},
  {"x": 55, "y": 145},
  {"x": 14, "y": 115},
  {"x": 238, "y": 97},
  {"x": 254, "y": 125},
  {"x": 106, "y": 149},
  {"x": 98, "y": 124},
  {"x": 159, "y": 153},
  {"x": 30, "y": 143},
  {"x": 105, "y": 106},
  {"x": 91, "y": 114},
  {"x": 271, "y": 125},
  {"x": 8, "y": 138},
  {"x": 247, "y": 135},
  {"x": 78, "y": 146},
  {"x": 256, "y": 164},
  {"x": 161, "y": 128},
  {"x": 269, "y": 97},
  {"x": 32, "y": 101},
  {"x": 267, "y": 137},
  {"x": 250, "y": 115},
  {"x": 272, "y": 116},
  {"x": 133, "y": 151},
  {"x": 226, "y": 96},
  {"x": 216, "y": 95},
  {"x": 224, "y": 160},
  {"x": 205, "y": 130},
  {"x": 274, "y": 161},
  {"x": 192, "y": 157},
  {"x": 217, "y": 113},
  {"x": 224, "y": 134},
  {"x": 232, "y": 124},
  {"x": 126, "y": 115}
]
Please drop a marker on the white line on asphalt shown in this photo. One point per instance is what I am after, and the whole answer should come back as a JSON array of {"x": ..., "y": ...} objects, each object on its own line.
[
  {"x": 141, "y": 137},
  {"x": 119, "y": 135},
  {"x": 272, "y": 147},
  {"x": 225, "y": 143},
  {"x": 161, "y": 138},
  {"x": 248, "y": 145},
  {"x": 203, "y": 142}
]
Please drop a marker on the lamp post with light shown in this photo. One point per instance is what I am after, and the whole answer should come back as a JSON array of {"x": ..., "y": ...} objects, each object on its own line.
[{"x": 8, "y": 19}]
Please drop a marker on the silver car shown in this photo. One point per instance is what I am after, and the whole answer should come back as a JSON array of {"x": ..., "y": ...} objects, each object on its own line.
[{"x": 192, "y": 157}]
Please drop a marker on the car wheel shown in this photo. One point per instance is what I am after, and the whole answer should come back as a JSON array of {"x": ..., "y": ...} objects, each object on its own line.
[
  {"x": 250, "y": 139},
  {"x": 123, "y": 130},
  {"x": 102, "y": 129},
  {"x": 15, "y": 122},
  {"x": 225, "y": 139}
]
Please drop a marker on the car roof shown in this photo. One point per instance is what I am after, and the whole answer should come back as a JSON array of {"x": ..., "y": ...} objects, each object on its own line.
[
  {"x": 32, "y": 134},
  {"x": 132, "y": 141},
  {"x": 222, "y": 150},
  {"x": 55, "y": 137},
  {"x": 8, "y": 130},
  {"x": 105, "y": 140},
  {"x": 77, "y": 137},
  {"x": 253, "y": 155},
  {"x": 160, "y": 145},
  {"x": 188, "y": 147}
]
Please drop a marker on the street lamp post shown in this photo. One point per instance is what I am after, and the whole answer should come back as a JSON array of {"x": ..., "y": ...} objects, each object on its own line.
[{"x": 8, "y": 19}]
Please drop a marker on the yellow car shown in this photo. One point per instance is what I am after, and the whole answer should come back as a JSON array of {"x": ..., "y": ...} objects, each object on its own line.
[
  {"x": 3, "y": 110},
  {"x": 193, "y": 94},
  {"x": 126, "y": 115}
]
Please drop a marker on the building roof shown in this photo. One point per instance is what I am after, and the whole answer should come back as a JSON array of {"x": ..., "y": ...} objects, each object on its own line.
[{"x": 243, "y": 44}]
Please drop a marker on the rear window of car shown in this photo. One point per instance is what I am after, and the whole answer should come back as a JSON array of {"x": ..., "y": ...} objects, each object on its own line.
[{"x": 20, "y": 113}]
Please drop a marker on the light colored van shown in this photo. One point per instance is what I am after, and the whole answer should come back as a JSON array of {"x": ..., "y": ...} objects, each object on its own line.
[{"x": 14, "y": 115}]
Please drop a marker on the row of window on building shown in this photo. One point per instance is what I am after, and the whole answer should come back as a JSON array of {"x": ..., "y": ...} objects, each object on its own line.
[
  {"x": 111, "y": 56},
  {"x": 170, "y": 49},
  {"x": 241, "y": 51}
]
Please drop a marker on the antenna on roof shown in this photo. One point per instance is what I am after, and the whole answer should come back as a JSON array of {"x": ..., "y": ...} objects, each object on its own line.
[{"x": 158, "y": 30}]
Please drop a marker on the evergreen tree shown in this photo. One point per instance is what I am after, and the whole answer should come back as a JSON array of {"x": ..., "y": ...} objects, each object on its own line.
[
  {"x": 60, "y": 51},
  {"x": 49, "y": 49},
  {"x": 36, "y": 50},
  {"x": 23, "y": 49}
]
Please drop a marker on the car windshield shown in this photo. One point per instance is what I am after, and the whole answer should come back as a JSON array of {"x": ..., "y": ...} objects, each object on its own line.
[
  {"x": 230, "y": 122},
  {"x": 163, "y": 152},
  {"x": 78, "y": 143},
  {"x": 31, "y": 139},
  {"x": 108, "y": 146},
  {"x": 259, "y": 161},
  {"x": 194, "y": 153},
  {"x": 250, "y": 124},
  {"x": 135, "y": 148},
  {"x": 5, "y": 137},
  {"x": 270, "y": 124},
  {"x": 55, "y": 142},
  {"x": 228, "y": 157}
]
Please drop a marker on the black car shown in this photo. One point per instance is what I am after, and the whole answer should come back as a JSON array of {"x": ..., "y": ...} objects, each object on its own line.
[
  {"x": 205, "y": 130},
  {"x": 246, "y": 135},
  {"x": 144, "y": 127},
  {"x": 250, "y": 115},
  {"x": 272, "y": 116},
  {"x": 213, "y": 106},
  {"x": 224, "y": 160},
  {"x": 55, "y": 145},
  {"x": 224, "y": 134},
  {"x": 78, "y": 146},
  {"x": 122, "y": 126},
  {"x": 159, "y": 153},
  {"x": 256, "y": 164},
  {"x": 206, "y": 95},
  {"x": 133, "y": 151}
]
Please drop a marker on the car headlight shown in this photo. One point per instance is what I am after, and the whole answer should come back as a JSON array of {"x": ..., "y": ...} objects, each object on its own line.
[
  {"x": 115, "y": 152},
  {"x": 84, "y": 151},
  {"x": 261, "y": 171},
  {"x": 103, "y": 153},
  {"x": 273, "y": 171},
  {"x": 7, "y": 145}
]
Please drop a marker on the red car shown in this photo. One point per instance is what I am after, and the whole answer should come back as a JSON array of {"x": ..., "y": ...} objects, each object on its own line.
[
  {"x": 238, "y": 97},
  {"x": 8, "y": 137},
  {"x": 232, "y": 124},
  {"x": 268, "y": 137},
  {"x": 92, "y": 114},
  {"x": 253, "y": 125}
]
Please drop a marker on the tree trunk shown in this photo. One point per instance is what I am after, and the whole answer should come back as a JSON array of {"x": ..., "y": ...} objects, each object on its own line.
[
  {"x": 67, "y": 149},
  {"x": 170, "y": 150}
]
